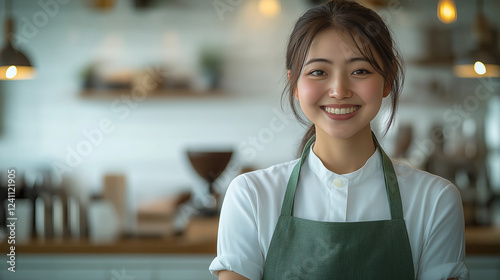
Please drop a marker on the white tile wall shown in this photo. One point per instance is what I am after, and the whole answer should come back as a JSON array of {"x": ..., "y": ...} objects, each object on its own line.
[{"x": 44, "y": 117}]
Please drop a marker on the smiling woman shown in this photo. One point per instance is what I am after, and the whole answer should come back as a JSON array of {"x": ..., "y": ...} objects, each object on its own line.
[
  {"x": 363, "y": 40},
  {"x": 335, "y": 77},
  {"x": 344, "y": 209}
]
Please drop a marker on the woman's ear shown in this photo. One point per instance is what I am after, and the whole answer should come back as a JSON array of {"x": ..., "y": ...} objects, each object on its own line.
[
  {"x": 295, "y": 92},
  {"x": 387, "y": 89}
]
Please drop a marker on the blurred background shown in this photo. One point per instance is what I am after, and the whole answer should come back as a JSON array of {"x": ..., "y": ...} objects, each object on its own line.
[{"x": 122, "y": 123}]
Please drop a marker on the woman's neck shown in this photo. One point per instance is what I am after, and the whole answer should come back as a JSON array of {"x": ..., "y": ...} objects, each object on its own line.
[{"x": 344, "y": 155}]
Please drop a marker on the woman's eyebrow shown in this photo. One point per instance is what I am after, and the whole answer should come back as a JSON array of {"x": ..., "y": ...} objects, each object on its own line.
[
  {"x": 354, "y": 59},
  {"x": 312, "y": 60},
  {"x": 324, "y": 60}
]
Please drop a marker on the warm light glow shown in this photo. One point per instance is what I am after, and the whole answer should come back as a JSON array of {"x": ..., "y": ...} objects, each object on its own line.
[
  {"x": 269, "y": 8},
  {"x": 11, "y": 72},
  {"x": 447, "y": 11},
  {"x": 479, "y": 68}
]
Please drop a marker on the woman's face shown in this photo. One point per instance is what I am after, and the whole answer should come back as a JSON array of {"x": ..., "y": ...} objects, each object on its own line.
[{"x": 338, "y": 90}]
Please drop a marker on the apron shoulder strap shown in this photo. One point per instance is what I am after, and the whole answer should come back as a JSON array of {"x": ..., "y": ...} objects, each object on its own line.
[
  {"x": 391, "y": 184},
  {"x": 390, "y": 178},
  {"x": 288, "y": 201}
]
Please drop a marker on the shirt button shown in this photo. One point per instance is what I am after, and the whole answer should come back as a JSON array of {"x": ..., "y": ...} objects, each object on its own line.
[{"x": 338, "y": 183}]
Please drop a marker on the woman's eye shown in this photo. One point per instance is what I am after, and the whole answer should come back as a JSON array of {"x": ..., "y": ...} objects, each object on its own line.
[
  {"x": 318, "y": 73},
  {"x": 361, "y": 72}
]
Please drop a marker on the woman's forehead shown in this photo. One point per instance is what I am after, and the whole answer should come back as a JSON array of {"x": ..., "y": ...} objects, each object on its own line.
[
  {"x": 333, "y": 43},
  {"x": 341, "y": 45}
]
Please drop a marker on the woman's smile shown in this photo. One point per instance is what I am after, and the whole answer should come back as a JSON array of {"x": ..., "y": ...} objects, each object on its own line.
[{"x": 341, "y": 111}]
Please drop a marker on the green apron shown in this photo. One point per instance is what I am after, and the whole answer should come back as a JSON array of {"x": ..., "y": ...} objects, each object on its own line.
[{"x": 306, "y": 249}]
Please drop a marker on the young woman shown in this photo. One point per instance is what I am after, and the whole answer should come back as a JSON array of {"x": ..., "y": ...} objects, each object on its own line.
[{"x": 343, "y": 210}]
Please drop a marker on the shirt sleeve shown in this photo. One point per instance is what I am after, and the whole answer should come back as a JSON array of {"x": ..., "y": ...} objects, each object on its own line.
[
  {"x": 443, "y": 254},
  {"x": 238, "y": 247}
]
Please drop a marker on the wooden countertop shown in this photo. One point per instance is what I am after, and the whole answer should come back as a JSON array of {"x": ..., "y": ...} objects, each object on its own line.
[
  {"x": 482, "y": 240},
  {"x": 201, "y": 238}
]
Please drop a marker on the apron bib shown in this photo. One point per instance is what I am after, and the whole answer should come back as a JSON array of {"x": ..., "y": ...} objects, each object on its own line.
[{"x": 306, "y": 249}]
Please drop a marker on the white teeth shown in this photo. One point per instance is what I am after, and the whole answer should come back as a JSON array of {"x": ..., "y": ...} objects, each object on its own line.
[{"x": 342, "y": 111}]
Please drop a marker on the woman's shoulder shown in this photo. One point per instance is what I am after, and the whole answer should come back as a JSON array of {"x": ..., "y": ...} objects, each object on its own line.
[
  {"x": 274, "y": 173},
  {"x": 268, "y": 180}
]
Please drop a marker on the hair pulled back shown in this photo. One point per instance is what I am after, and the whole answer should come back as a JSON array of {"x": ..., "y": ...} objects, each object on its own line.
[{"x": 370, "y": 34}]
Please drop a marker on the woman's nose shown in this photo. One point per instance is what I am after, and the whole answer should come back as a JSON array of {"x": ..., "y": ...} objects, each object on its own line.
[{"x": 340, "y": 88}]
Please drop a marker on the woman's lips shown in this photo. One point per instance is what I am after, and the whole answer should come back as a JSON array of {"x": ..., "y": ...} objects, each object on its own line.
[{"x": 341, "y": 112}]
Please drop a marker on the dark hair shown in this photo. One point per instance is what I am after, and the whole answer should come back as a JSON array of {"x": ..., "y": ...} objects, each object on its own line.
[{"x": 368, "y": 31}]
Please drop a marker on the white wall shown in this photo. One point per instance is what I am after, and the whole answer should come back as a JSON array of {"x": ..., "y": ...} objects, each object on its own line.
[{"x": 44, "y": 117}]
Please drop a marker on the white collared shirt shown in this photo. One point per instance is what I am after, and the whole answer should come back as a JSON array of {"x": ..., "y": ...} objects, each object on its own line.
[{"x": 432, "y": 210}]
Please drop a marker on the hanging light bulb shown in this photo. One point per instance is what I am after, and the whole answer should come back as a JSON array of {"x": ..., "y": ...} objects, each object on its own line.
[
  {"x": 484, "y": 60},
  {"x": 447, "y": 11},
  {"x": 14, "y": 65},
  {"x": 269, "y": 8},
  {"x": 11, "y": 72},
  {"x": 479, "y": 68}
]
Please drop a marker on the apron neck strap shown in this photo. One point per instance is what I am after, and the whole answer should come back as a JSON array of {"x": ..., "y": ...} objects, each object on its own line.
[{"x": 390, "y": 178}]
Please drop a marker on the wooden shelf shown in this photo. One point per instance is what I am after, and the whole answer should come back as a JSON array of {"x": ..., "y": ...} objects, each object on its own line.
[
  {"x": 435, "y": 63},
  {"x": 107, "y": 94}
]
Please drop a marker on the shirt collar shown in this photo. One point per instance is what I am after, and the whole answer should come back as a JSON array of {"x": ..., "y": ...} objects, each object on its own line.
[{"x": 373, "y": 164}]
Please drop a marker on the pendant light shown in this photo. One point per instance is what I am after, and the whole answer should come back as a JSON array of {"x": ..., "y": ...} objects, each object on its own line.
[
  {"x": 269, "y": 8},
  {"x": 447, "y": 11},
  {"x": 14, "y": 65},
  {"x": 484, "y": 60}
]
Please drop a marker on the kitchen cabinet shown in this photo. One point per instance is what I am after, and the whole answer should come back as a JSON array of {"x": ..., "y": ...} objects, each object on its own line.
[
  {"x": 106, "y": 267},
  {"x": 152, "y": 267},
  {"x": 484, "y": 267}
]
